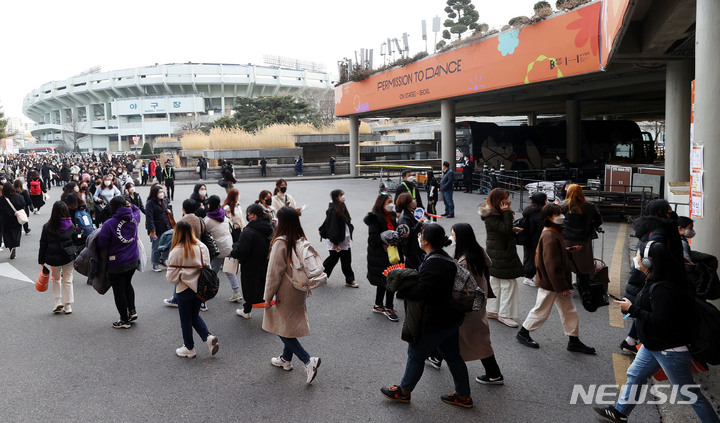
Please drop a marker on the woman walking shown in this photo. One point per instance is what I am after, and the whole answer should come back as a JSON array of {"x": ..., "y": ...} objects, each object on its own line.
[
  {"x": 439, "y": 325},
  {"x": 406, "y": 205},
  {"x": 287, "y": 318},
  {"x": 432, "y": 188},
  {"x": 119, "y": 235},
  {"x": 234, "y": 212},
  {"x": 10, "y": 205},
  {"x": 337, "y": 230},
  {"x": 531, "y": 235},
  {"x": 554, "y": 284},
  {"x": 281, "y": 198},
  {"x": 37, "y": 190},
  {"x": 157, "y": 221},
  {"x": 500, "y": 246},
  {"x": 380, "y": 219},
  {"x": 187, "y": 258},
  {"x": 133, "y": 197},
  {"x": 58, "y": 249},
  {"x": 664, "y": 326},
  {"x": 200, "y": 195},
  {"x": 265, "y": 200},
  {"x": 219, "y": 226},
  {"x": 582, "y": 222},
  {"x": 20, "y": 189},
  {"x": 251, "y": 250}
]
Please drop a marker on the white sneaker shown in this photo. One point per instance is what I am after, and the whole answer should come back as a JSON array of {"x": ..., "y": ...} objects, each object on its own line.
[
  {"x": 68, "y": 309},
  {"x": 529, "y": 282},
  {"x": 281, "y": 362},
  {"x": 212, "y": 343},
  {"x": 236, "y": 298},
  {"x": 242, "y": 313},
  {"x": 311, "y": 368},
  {"x": 58, "y": 308},
  {"x": 184, "y": 352}
]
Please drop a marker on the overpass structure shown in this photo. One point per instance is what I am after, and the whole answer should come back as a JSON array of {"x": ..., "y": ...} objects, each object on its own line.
[{"x": 632, "y": 59}]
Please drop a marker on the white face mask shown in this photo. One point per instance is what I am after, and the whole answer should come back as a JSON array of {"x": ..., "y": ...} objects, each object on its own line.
[
  {"x": 689, "y": 233},
  {"x": 452, "y": 240},
  {"x": 202, "y": 192},
  {"x": 341, "y": 198},
  {"x": 107, "y": 183},
  {"x": 420, "y": 240},
  {"x": 131, "y": 190},
  {"x": 161, "y": 195},
  {"x": 559, "y": 220},
  {"x": 636, "y": 263},
  {"x": 76, "y": 189},
  {"x": 411, "y": 179},
  {"x": 390, "y": 207}
]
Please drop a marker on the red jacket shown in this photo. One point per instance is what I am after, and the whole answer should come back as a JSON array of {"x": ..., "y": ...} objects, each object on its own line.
[{"x": 153, "y": 166}]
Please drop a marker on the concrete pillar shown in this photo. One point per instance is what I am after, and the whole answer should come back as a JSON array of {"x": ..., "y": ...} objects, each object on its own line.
[
  {"x": 447, "y": 137},
  {"x": 572, "y": 142},
  {"x": 354, "y": 145},
  {"x": 677, "y": 122},
  {"x": 222, "y": 105},
  {"x": 707, "y": 125}
]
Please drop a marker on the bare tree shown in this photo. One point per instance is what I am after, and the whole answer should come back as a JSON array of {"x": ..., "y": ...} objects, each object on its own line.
[
  {"x": 323, "y": 101},
  {"x": 72, "y": 135},
  {"x": 190, "y": 124}
]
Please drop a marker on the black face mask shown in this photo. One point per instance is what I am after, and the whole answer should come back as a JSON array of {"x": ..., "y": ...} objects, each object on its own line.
[
  {"x": 283, "y": 189},
  {"x": 268, "y": 201}
]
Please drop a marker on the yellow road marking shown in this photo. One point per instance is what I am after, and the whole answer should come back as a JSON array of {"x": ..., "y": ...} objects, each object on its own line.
[
  {"x": 620, "y": 365},
  {"x": 615, "y": 317}
]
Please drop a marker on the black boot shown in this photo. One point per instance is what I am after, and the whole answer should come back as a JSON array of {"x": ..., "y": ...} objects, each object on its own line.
[
  {"x": 523, "y": 336},
  {"x": 575, "y": 345}
]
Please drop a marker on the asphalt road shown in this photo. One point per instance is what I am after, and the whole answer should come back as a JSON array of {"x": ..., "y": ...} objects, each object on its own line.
[{"x": 78, "y": 368}]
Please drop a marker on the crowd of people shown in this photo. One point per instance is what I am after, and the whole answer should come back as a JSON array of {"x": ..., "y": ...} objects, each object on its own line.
[{"x": 100, "y": 207}]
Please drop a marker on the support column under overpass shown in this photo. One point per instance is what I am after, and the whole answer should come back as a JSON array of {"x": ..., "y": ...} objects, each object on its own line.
[
  {"x": 677, "y": 122},
  {"x": 447, "y": 138},
  {"x": 354, "y": 145},
  {"x": 572, "y": 141},
  {"x": 707, "y": 124}
]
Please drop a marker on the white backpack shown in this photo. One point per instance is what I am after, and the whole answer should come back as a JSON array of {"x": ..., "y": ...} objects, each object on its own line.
[{"x": 308, "y": 272}]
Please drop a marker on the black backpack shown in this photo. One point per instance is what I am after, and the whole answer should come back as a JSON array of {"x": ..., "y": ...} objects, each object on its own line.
[
  {"x": 705, "y": 346},
  {"x": 208, "y": 282}
]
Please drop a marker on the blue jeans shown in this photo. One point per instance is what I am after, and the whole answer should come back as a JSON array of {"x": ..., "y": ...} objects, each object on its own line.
[
  {"x": 155, "y": 255},
  {"x": 216, "y": 265},
  {"x": 677, "y": 367},
  {"x": 189, "y": 310},
  {"x": 449, "y": 204},
  {"x": 292, "y": 346},
  {"x": 445, "y": 340}
]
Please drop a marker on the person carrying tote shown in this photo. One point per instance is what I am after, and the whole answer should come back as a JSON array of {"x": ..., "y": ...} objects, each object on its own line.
[
  {"x": 218, "y": 225},
  {"x": 187, "y": 258},
  {"x": 337, "y": 230},
  {"x": 287, "y": 317},
  {"x": 58, "y": 250}
]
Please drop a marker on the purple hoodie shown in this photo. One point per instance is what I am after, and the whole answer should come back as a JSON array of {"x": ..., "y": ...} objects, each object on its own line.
[
  {"x": 119, "y": 235},
  {"x": 217, "y": 214},
  {"x": 65, "y": 224}
]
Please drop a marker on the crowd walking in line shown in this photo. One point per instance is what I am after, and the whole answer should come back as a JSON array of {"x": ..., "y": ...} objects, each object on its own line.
[{"x": 410, "y": 258}]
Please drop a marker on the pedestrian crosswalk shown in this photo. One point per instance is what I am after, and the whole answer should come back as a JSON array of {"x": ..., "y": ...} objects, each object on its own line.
[{"x": 7, "y": 270}]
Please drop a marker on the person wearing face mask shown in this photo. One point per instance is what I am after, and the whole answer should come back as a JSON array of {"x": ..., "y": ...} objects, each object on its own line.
[
  {"x": 234, "y": 212},
  {"x": 405, "y": 206},
  {"x": 88, "y": 199},
  {"x": 11, "y": 229},
  {"x": 337, "y": 230},
  {"x": 265, "y": 201},
  {"x": 381, "y": 218},
  {"x": 582, "y": 224},
  {"x": 37, "y": 190},
  {"x": 497, "y": 214},
  {"x": 281, "y": 198},
  {"x": 218, "y": 224},
  {"x": 20, "y": 189},
  {"x": 107, "y": 191},
  {"x": 410, "y": 186},
  {"x": 133, "y": 197},
  {"x": 169, "y": 178},
  {"x": 200, "y": 195},
  {"x": 432, "y": 187},
  {"x": 554, "y": 281},
  {"x": 663, "y": 316},
  {"x": 467, "y": 174},
  {"x": 686, "y": 229},
  {"x": 157, "y": 221},
  {"x": 251, "y": 250}
]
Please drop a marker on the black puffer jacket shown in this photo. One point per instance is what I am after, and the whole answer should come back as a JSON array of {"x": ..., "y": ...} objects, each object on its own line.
[
  {"x": 582, "y": 226},
  {"x": 252, "y": 250},
  {"x": 156, "y": 218},
  {"x": 333, "y": 228},
  {"x": 663, "y": 315},
  {"x": 377, "y": 257},
  {"x": 434, "y": 289},
  {"x": 54, "y": 247}
]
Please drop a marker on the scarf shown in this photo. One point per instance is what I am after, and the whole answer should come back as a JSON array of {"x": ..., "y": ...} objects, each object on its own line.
[
  {"x": 65, "y": 224},
  {"x": 217, "y": 214}
]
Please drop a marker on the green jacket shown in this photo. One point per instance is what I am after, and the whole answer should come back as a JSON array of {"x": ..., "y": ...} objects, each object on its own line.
[
  {"x": 400, "y": 279},
  {"x": 500, "y": 244}
]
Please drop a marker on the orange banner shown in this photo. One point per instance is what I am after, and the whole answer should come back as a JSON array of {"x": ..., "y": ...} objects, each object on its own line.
[
  {"x": 613, "y": 14},
  {"x": 565, "y": 45}
]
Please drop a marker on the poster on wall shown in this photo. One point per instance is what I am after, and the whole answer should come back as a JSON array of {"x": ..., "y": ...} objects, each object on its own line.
[{"x": 696, "y": 205}]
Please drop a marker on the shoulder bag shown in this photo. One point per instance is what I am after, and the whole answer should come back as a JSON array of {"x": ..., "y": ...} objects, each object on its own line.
[
  {"x": 21, "y": 216},
  {"x": 209, "y": 240}
]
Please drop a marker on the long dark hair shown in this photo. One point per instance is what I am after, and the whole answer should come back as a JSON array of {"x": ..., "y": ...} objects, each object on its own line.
[
  {"x": 277, "y": 185},
  {"x": 466, "y": 245},
  {"x": 154, "y": 189},
  {"x": 338, "y": 206},
  {"x": 379, "y": 206},
  {"x": 289, "y": 227},
  {"x": 59, "y": 210}
]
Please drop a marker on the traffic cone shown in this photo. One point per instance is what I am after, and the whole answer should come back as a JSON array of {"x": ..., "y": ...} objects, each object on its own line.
[{"x": 41, "y": 284}]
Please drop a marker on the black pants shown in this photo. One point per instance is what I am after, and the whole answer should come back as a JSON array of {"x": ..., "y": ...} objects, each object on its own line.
[
  {"x": 263, "y": 171},
  {"x": 123, "y": 292},
  {"x": 253, "y": 290},
  {"x": 345, "y": 258},
  {"x": 432, "y": 209},
  {"x": 529, "y": 261},
  {"x": 170, "y": 186},
  {"x": 47, "y": 181},
  {"x": 382, "y": 292}
]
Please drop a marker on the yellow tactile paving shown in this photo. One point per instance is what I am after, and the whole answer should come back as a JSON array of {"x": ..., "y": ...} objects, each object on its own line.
[{"x": 620, "y": 365}]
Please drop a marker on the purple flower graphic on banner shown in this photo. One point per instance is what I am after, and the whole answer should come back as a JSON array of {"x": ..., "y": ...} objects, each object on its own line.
[{"x": 475, "y": 83}]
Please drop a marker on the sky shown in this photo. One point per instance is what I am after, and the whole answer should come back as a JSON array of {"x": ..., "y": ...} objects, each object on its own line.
[{"x": 46, "y": 41}]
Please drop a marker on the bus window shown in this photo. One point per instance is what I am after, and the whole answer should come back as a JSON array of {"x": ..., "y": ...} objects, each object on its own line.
[{"x": 624, "y": 151}]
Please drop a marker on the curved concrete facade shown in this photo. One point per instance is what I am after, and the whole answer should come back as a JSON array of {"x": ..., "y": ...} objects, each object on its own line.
[{"x": 119, "y": 110}]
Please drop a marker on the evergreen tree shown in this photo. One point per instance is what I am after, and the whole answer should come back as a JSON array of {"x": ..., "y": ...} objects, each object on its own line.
[
  {"x": 252, "y": 114},
  {"x": 462, "y": 17}
]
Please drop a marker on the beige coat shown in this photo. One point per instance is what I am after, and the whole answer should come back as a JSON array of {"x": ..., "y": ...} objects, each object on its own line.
[
  {"x": 184, "y": 272},
  {"x": 288, "y": 318},
  {"x": 475, "y": 329}
]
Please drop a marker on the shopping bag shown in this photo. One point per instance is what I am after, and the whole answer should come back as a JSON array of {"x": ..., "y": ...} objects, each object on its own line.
[
  {"x": 230, "y": 265},
  {"x": 143, "y": 256}
]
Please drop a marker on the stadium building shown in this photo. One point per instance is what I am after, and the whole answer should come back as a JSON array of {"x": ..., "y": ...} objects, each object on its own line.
[{"x": 120, "y": 110}]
